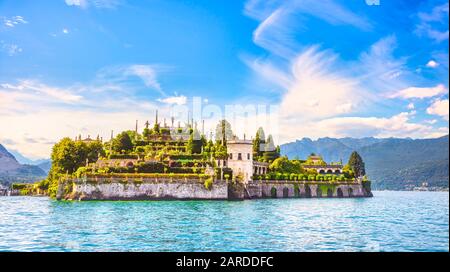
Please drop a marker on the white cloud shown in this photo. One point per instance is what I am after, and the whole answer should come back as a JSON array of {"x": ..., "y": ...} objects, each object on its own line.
[
  {"x": 10, "y": 49},
  {"x": 281, "y": 20},
  {"x": 36, "y": 109},
  {"x": 65, "y": 31},
  {"x": 13, "y": 21},
  {"x": 432, "y": 64},
  {"x": 379, "y": 69},
  {"x": 177, "y": 100},
  {"x": 79, "y": 3},
  {"x": 434, "y": 24},
  {"x": 112, "y": 100},
  {"x": 95, "y": 3},
  {"x": 147, "y": 73},
  {"x": 37, "y": 91},
  {"x": 419, "y": 92},
  {"x": 318, "y": 90},
  {"x": 410, "y": 106},
  {"x": 269, "y": 72},
  {"x": 312, "y": 88},
  {"x": 439, "y": 107},
  {"x": 398, "y": 125}
]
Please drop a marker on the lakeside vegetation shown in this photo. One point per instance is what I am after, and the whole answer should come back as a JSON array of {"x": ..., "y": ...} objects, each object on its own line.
[{"x": 178, "y": 153}]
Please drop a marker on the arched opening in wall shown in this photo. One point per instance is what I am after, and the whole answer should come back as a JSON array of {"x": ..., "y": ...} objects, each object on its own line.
[
  {"x": 329, "y": 171},
  {"x": 321, "y": 171},
  {"x": 129, "y": 164},
  {"x": 273, "y": 192},
  {"x": 337, "y": 171},
  {"x": 296, "y": 191},
  {"x": 285, "y": 192},
  {"x": 340, "y": 193},
  {"x": 318, "y": 191},
  {"x": 330, "y": 192},
  {"x": 350, "y": 192},
  {"x": 307, "y": 191}
]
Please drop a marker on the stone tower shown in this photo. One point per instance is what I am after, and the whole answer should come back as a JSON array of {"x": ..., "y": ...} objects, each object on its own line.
[{"x": 240, "y": 158}]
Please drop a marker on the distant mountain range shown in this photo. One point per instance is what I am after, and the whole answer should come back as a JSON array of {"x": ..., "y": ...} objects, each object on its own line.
[
  {"x": 391, "y": 163},
  {"x": 11, "y": 170}
]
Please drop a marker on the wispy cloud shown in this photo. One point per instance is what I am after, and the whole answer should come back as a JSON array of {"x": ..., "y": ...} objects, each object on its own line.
[
  {"x": 281, "y": 20},
  {"x": 10, "y": 49},
  {"x": 317, "y": 90},
  {"x": 322, "y": 91},
  {"x": 399, "y": 125},
  {"x": 13, "y": 21},
  {"x": 146, "y": 73},
  {"x": 108, "y": 4},
  {"x": 419, "y": 92},
  {"x": 174, "y": 100},
  {"x": 31, "y": 107},
  {"x": 434, "y": 24}
]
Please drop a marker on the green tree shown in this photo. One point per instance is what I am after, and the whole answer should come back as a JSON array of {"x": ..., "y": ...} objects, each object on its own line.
[
  {"x": 284, "y": 165},
  {"x": 220, "y": 151},
  {"x": 94, "y": 151},
  {"x": 67, "y": 155},
  {"x": 146, "y": 133},
  {"x": 356, "y": 164},
  {"x": 133, "y": 136},
  {"x": 122, "y": 142},
  {"x": 195, "y": 143}
]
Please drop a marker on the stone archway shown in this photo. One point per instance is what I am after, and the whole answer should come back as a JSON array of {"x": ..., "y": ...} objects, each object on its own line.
[
  {"x": 285, "y": 192},
  {"x": 350, "y": 192},
  {"x": 307, "y": 191},
  {"x": 321, "y": 171},
  {"x": 329, "y": 171},
  {"x": 318, "y": 191},
  {"x": 340, "y": 193},
  {"x": 330, "y": 192},
  {"x": 296, "y": 191},
  {"x": 273, "y": 192}
]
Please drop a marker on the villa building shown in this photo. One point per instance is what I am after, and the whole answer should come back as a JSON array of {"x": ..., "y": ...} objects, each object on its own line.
[
  {"x": 240, "y": 159},
  {"x": 315, "y": 162}
]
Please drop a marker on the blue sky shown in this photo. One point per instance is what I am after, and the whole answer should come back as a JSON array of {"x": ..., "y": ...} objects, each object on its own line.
[{"x": 333, "y": 68}]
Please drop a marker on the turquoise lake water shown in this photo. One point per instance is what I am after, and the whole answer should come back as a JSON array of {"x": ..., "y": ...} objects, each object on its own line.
[{"x": 390, "y": 221}]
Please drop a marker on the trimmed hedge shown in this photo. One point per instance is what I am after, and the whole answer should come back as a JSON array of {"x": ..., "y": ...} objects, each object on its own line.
[
  {"x": 123, "y": 156},
  {"x": 186, "y": 157},
  {"x": 302, "y": 177}
]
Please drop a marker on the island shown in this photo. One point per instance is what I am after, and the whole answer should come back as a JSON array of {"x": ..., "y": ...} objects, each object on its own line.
[{"x": 169, "y": 161}]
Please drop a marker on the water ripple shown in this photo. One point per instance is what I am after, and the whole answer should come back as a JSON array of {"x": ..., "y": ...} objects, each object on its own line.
[{"x": 391, "y": 221}]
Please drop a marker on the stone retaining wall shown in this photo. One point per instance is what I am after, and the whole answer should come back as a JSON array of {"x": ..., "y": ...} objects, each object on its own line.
[
  {"x": 118, "y": 188},
  {"x": 138, "y": 189},
  {"x": 281, "y": 189}
]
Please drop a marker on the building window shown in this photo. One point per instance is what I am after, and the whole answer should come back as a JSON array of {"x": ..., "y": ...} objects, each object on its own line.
[
  {"x": 248, "y": 156},
  {"x": 231, "y": 156},
  {"x": 218, "y": 163},
  {"x": 240, "y": 156}
]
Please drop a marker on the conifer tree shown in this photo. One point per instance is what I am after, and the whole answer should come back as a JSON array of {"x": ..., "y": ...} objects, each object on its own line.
[{"x": 356, "y": 164}]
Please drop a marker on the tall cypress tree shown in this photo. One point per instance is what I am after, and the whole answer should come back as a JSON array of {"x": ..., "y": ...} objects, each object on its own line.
[{"x": 356, "y": 163}]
